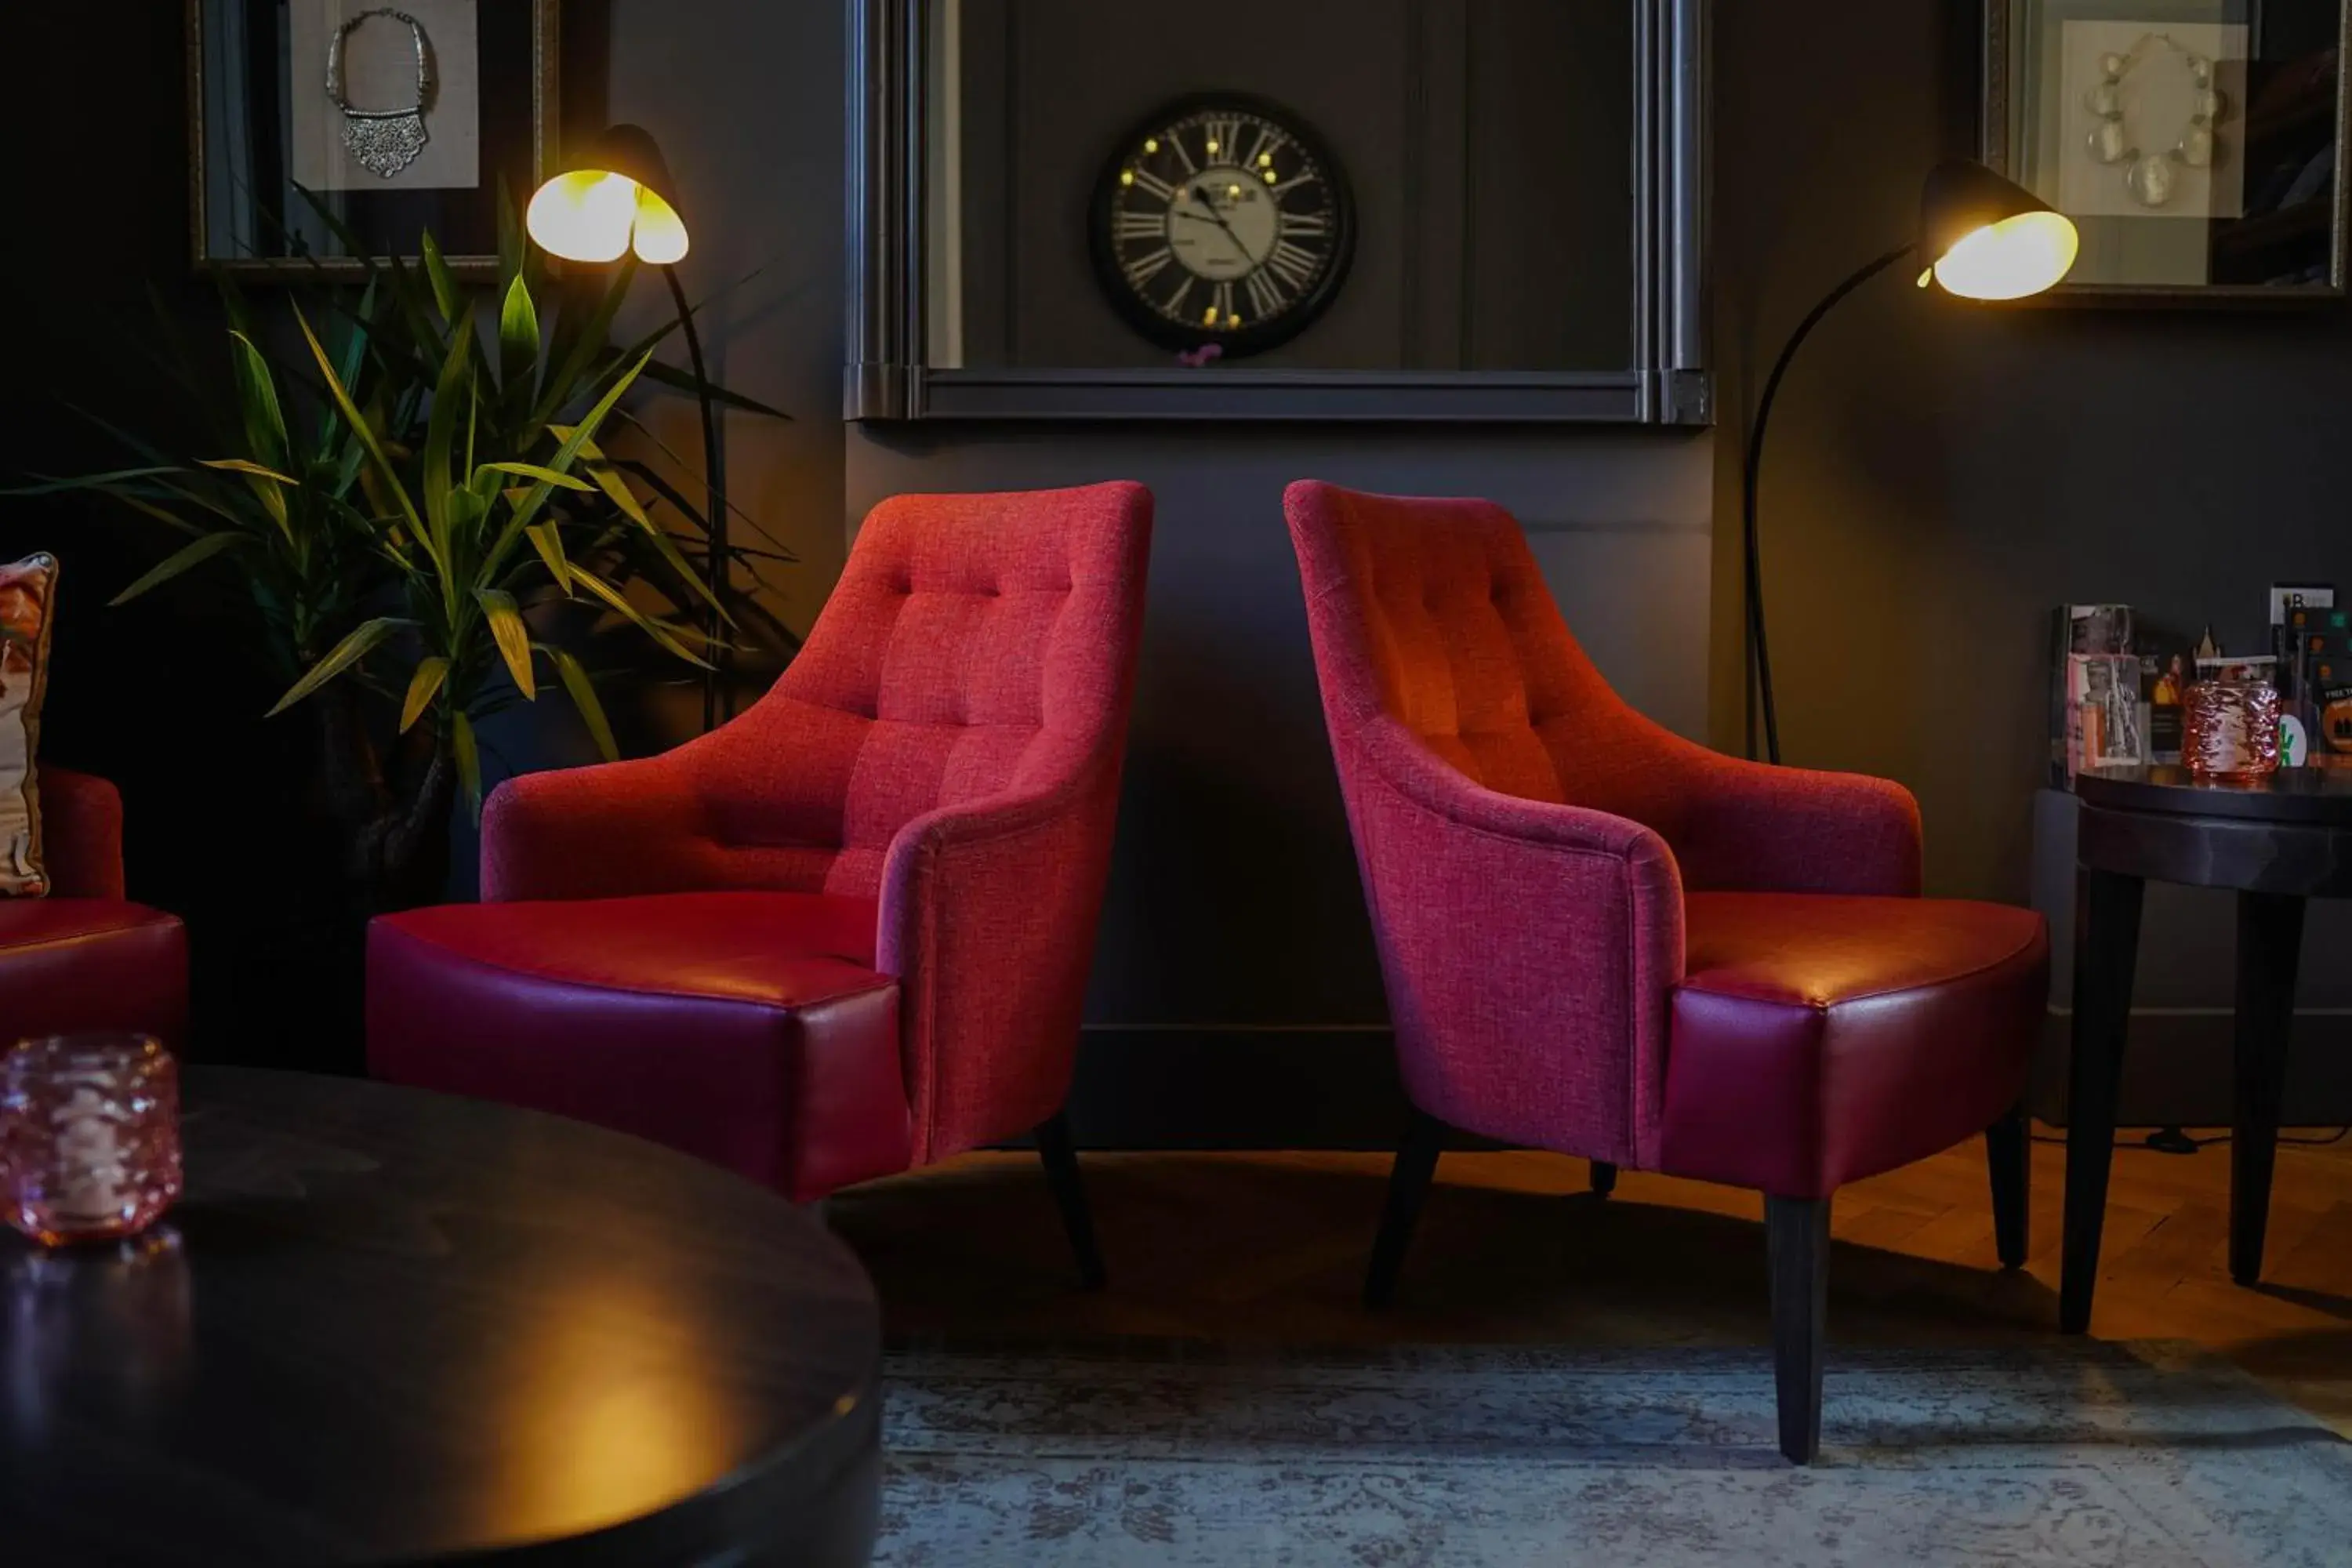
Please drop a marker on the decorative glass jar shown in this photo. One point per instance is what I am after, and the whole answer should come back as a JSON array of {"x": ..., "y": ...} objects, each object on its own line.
[
  {"x": 2230, "y": 730},
  {"x": 90, "y": 1136}
]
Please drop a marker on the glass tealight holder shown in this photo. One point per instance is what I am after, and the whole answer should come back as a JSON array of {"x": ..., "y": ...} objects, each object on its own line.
[
  {"x": 2229, "y": 730},
  {"x": 90, "y": 1136}
]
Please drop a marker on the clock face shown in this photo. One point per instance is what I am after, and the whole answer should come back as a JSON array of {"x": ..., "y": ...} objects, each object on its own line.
[{"x": 1222, "y": 220}]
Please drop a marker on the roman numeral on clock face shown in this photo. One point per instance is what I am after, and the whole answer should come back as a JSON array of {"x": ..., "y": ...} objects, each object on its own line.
[
  {"x": 1307, "y": 224},
  {"x": 1266, "y": 296},
  {"x": 1222, "y": 135},
  {"x": 1142, "y": 225},
  {"x": 1142, "y": 269},
  {"x": 1221, "y": 308},
  {"x": 1293, "y": 263},
  {"x": 1145, "y": 180}
]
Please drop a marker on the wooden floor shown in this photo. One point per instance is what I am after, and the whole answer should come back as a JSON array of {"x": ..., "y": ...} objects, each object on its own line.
[{"x": 1271, "y": 1247}]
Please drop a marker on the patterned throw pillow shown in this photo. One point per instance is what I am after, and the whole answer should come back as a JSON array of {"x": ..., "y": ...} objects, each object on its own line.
[{"x": 27, "y": 593}]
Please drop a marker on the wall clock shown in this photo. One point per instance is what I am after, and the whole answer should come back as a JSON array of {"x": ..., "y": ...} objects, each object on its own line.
[{"x": 1221, "y": 219}]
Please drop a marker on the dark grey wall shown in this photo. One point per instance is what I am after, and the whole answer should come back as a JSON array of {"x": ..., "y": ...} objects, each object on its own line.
[{"x": 1488, "y": 144}]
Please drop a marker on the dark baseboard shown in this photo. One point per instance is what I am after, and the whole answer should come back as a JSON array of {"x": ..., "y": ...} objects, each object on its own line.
[
  {"x": 1337, "y": 1089},
  {"x": 1238, "y": 1089}
]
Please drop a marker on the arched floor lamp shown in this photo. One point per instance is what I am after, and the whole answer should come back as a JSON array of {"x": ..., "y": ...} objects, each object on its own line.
[
  {"x": 616, "y": 199},
  {"x": 1983, "y": 237}
]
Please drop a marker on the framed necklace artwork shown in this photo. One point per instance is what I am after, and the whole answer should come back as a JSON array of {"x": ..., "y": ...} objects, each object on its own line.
[
  {"x": 2197, "y": 144},
  {"x": 320, "y": 128}
]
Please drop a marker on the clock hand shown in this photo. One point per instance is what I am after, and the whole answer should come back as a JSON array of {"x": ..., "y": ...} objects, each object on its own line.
[{"x": 1219, "y": 219}]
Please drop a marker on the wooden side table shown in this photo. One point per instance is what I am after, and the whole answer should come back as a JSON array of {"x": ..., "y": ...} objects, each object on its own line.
[{"x": 2276, "y": 844}]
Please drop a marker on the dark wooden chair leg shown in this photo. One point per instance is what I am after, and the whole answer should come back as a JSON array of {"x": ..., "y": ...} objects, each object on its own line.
[
  {"x": 2270, "y": 943},
  {"x": 2106, "y": 950},
  {"x": 1604, "y": 1178},
  {"x": 1416, "y": 1162},
  {"x": 1797, "y": 1235},
  {"x": 2008, "y": 1156},
  {"x": 1061, "y": 1160}
]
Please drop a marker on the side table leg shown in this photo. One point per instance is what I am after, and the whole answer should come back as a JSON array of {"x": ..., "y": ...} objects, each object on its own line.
[
  {"x": 2106, "y": 949},
  {"x": 2269, "y": 942}
]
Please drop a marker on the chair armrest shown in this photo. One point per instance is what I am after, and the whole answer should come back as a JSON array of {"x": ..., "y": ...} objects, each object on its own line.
[
  {"x": 81, "y": 834},
  {"x": 1746, "y": 827},
  {"x": 602, "y": 832},
  {"x": 987, "y": 918},
  {"x": 1529, "y": 949}
]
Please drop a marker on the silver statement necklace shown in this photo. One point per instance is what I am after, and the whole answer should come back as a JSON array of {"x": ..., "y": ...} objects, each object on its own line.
[
  {"x": 383, "y": 142},
  {"x": 2149, "y": 175}
]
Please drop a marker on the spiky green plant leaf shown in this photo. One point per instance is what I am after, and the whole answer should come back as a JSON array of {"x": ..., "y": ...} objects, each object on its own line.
[
  {"x": 645, "y": 623},
  {"x": 181, "y": 560},
  {"x": 423, "y": 687},
  {"x": 513, "y": 637},
  {"x": 583, "y": 690},
  {"x": 518, "y": 343},
  {"x": 362, "y": 641},
  {"x": 469, "y": 759},
  {"x": 256, "y": 398}
]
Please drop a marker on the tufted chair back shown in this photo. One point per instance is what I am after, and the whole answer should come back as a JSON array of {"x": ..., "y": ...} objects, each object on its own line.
[
  {"x": 1433, "y": 612},
  {"x": 976, "y": 644}
]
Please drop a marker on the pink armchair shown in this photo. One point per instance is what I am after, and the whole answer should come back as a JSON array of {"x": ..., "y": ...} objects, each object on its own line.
[
  {"x": 1602, "y": 939},
  {"x": 847, "y": 933},
  {"x": 84, "y": 958}
]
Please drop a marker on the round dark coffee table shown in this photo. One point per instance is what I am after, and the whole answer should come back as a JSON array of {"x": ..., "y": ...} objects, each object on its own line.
[
  {"x": 386, "y": 1326},
  {"x": 2276, "y": 844}
]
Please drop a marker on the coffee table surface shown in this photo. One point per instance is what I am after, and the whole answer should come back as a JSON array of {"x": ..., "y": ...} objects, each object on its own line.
[
  {"x": 388, "y": 1326},
  {"x": 2321, "y": 797}
]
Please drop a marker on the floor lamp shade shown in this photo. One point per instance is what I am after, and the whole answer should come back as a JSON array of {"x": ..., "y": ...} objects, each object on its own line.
[
  {"x": 1985, "y": 238},
  {"x": 613, "y": 199}
]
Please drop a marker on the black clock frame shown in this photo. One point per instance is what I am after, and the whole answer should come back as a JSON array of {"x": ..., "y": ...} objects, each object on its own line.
[{"x": 1252, "y": 340}]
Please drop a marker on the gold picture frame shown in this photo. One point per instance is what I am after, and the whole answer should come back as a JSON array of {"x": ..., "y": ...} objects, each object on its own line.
[{"x": 210, "y": 103}]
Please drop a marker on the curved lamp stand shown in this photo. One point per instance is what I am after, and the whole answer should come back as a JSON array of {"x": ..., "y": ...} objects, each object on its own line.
[
  {"x": 1759, "y": 692},
  {"x": 1990, "y": 239}
]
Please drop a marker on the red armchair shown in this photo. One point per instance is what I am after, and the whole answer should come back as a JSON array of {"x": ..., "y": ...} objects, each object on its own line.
[
  {"x": 84, "y": 958},
  {"x": 1602, "y": 939},
  {"x": 847, "y": 933}
]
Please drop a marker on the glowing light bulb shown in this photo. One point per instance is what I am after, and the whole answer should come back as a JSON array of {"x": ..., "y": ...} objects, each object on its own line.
[{"x": 2010, "y": 260}]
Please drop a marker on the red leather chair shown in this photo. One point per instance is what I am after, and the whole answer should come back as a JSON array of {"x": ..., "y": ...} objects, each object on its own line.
[
  {"x": 84, "y": 958},
  {"x": 848, "y": 932},
  {"x": 1602, "y": 939}
]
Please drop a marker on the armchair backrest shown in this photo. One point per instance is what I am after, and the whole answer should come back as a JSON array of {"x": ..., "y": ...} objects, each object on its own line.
[
  {"x": 1433, "y": 613},
  {"x": 976, "y": 644}
]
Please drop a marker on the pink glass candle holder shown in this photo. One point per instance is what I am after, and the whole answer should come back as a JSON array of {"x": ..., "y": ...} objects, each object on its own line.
[
  {"x": 90, "y": 1136},
  {"x": 2230, "y": 730}
]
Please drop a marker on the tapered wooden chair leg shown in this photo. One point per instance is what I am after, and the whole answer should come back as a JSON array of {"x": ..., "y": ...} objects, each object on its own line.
[
  {"x": 1061, "y": 1160},
  {"x": 2008, "y": 1158},
  {"x": 1409, "y": 1178},
  {"x": 1797, "y": 1235}
]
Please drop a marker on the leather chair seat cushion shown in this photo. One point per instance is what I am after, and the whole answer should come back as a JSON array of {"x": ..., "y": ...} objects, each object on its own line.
[
  {"x": 1817, "y": 1039},
  {"x": 80, "y": 965},
  {"x": 749, "y": 1028}
]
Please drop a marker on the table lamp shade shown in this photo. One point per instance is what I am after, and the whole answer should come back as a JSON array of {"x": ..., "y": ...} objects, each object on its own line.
[
  {"x": 1985, "y": 238},
  {"x": 612, "y": 200}
]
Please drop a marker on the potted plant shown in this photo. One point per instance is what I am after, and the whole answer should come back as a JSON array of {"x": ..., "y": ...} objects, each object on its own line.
[{"x": 409, "y": 482}]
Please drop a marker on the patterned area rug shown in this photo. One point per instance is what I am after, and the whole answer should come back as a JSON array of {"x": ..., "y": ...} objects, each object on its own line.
[{"x": 2152, "y": 1456}]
